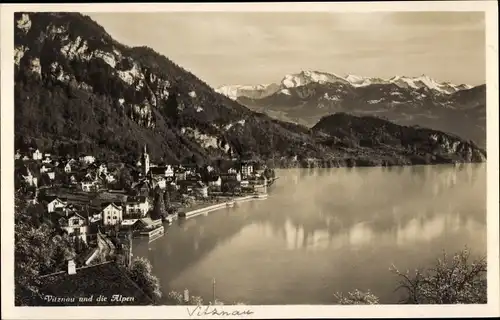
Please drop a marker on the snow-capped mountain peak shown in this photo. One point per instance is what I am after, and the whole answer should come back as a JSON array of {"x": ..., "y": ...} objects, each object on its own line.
[
  {"x": 251, "y": 91},
  {"x": 306, "y": 77}
]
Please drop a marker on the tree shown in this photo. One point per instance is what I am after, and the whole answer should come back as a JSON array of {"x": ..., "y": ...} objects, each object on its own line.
[
  {"x": 269, "y": 173},
  {"x": 125, "y": 180},
  {"x": 37, "y": 250},
  {"x": 141, "y": 273},
  {"x": 166, "y": 199},
  {"x": 450, "y": 281},
  {"x": 159, "y": 205}
]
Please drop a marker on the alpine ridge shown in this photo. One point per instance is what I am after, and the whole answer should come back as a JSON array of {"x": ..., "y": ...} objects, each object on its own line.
[
  {"x": 308, "y": 76},
  {"x": 307, "y": 96}
]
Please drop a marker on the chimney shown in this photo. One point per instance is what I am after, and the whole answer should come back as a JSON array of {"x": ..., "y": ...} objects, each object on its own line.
[{"x": 71, "y": 267}]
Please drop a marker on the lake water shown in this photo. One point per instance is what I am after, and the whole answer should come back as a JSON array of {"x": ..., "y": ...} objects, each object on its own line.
[{"x": 323, "y": 231}]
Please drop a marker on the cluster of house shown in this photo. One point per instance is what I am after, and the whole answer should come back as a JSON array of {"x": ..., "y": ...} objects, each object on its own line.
[
  {"x": 89, "y": 175},
  {"x": 86, "y": 172},
  {"x": 77, "y": 219},
  {"x": 191, "y": 179}
]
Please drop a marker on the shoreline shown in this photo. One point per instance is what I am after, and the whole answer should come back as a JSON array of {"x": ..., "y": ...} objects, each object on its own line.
[{"x": 221, "y": 205}]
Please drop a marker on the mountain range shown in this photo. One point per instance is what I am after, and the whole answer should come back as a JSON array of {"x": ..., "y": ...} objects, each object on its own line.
[
  {"x": 77, "y": 90},
  {"x": 306, "y": 77},
  {"x": 307, "y": 96}
]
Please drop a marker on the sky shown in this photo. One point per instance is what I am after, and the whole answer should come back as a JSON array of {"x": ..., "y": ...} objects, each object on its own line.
[{"x": 224, "y": 48}]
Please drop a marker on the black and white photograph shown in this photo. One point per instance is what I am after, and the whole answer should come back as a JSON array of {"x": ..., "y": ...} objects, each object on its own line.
[{"x": 222, "y": 160}]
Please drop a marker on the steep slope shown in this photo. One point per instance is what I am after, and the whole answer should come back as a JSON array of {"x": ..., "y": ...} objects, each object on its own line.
[{"x": 78, "y": 90}]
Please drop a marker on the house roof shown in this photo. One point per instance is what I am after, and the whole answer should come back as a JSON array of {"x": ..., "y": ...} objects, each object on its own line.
[
  {"x": 56, "y": 198},
  {"x": 129, "y": 222},
  {"x": 187, "y": 182},
  {"x": 114, "y": 204},
  {"x": 157, "y": 170},
  {"x": 74, "y": 214},
  {"x": 132, "y": 199},
  {"x": 105, "y": 279},
  {"x": 87, "y": 179},
  {"x": 200, "y": 184},
  {"x": 213, "y": 177},
  {"x": 63, "y": 221},
  {"x": 149, "y": 222}
]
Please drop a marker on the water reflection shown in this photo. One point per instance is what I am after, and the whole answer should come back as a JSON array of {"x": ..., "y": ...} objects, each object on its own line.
[{"x": 330, "y": 229}]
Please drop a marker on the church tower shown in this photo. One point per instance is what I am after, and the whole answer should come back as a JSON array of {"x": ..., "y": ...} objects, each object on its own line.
[{"x": 145, "y": 162}]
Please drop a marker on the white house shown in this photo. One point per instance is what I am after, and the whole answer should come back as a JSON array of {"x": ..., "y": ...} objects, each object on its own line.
[
  {"x": 244, "y": 183},
  {"x": 112, "y": 214},
  {"x": 110, "y": 178},
  {"x": 137, "y": 205},
  {"x": 37, "y": 155},
  {"x": 88, "y": 185},
  {"x": 30, "y": 179},
  {"x": 67, "y": 168},
  {"x": 215, "y": 183},
  {"x": 169, "y": 171},
  {"x": 161, "y": 182},
  {"x": 246, "y": 169},
  {"x": 210, "y": 169},
  {"x": 234, "y": 171},
  {"x": 87, "y": 159},
  {"x": 102, "y": 169},
  {"x": 51, "y": 175},
  {"x": 76, "y": 226},
  {"x": 181, "y": 175},
  {"x": 56, "y": 203}
]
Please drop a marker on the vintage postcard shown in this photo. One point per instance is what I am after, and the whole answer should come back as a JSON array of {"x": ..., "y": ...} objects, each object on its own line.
[{"x": 250, "y": 160}]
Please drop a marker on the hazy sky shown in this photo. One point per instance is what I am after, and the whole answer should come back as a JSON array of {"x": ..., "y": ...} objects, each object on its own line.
[{"x": 252, "y": 48}]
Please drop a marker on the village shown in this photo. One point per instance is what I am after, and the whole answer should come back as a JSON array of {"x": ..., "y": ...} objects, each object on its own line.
[{"x": 97, "y": 204}]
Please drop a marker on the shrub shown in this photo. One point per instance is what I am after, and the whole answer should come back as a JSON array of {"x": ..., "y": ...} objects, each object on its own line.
[
  {"x": 356, "y": 297},
  {"x": 450, "y": 281}
]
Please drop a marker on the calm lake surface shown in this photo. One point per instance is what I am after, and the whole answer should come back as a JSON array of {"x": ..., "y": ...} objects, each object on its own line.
[{"x": 323, "y": 231}]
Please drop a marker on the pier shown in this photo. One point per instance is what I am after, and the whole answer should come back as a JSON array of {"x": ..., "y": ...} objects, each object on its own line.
[{"x": 225, "y": 204}]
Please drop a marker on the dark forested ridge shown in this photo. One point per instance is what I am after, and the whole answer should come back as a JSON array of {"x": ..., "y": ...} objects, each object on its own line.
[
  {"x": 402, "y": 144},
  {"x": 79, "y": 91}
]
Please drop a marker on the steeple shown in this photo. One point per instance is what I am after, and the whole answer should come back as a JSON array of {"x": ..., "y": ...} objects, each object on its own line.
[{"x": 145, "y": 161}]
